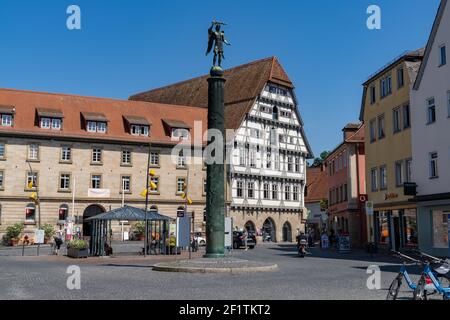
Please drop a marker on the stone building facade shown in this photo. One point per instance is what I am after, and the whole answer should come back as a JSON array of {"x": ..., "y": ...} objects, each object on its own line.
[{"x": 81, "y": 169}]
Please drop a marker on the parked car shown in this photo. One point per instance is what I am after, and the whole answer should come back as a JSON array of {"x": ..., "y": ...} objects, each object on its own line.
[
  {"x": 200, "y": 240},
  {"x": 238, "y": 240}
]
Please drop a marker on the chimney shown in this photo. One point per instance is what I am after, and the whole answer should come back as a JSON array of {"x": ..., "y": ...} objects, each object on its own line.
[{"x": 350, "y": 129}]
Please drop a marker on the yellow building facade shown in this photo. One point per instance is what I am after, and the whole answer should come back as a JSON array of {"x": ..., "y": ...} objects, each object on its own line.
[{"x": 385, "y": 110}]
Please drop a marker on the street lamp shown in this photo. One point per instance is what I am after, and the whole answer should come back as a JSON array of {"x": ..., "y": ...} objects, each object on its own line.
[{"x": 38, "y": 202}]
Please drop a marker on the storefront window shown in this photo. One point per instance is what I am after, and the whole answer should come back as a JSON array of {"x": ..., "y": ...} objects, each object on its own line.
[
  {"x": 440, "y": 229},
  {"x": 410, "y": 228},
  {"x": 383, "y": 228}
]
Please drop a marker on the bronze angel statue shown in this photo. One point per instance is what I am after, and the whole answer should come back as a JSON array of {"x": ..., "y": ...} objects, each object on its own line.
[{"x": 216, "y": 38}]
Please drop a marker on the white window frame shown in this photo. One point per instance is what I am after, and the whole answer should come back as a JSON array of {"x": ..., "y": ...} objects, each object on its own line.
[
  {"x": 125, "y": 157},
  {"x": 32, "y": 176},
  {"x": 97, "y": 155},
  {"x": 96, "y": 181},
  {"x": 102, "y": 127},
  {"x": 91, "y": 126},
  {"x": 2, "y": 150},
  {"x": 180, "y": 184},
  {"x": 239, "y": 189},
  {"x": 431, "y": 105},
  {"x": 251, "y": 190},
  {"x": 433, "y": 164},
  {"x": 46, "y": 123},
  {"x": 135, "y": 130},
  {"x": 383, "y": 178},
  {"x": 145, "y": 131},
  {"x": 181, "y": 160},
  {"x": 33, "y": 152},
  {"x": 125, "y": 179},
  {"x": 274, "y": 191},
  {"x": 64, "y": 178},
  {"x": 7, "y": 120},
  {"x": 396, "y": 120},
  {"x": 266, "y": 191},
  {"x": 154, "y": 158},
  {"x": 295, "y": 193},
  {"x": 408, "y": 170},
  {"x": 66, "y": 154},
  {"x": 56, "y": 124},
  {"x": 287, "y": 192},
  {"x": 374, "y": 179}
]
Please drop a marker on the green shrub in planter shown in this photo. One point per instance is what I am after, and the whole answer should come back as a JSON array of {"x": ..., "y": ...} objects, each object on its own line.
[
  {"x": 14, "y": 231},
  {"x": 49, "y": 231},
  {"x": 77, "y": 248},
  {"x": 77, "y": 244}
]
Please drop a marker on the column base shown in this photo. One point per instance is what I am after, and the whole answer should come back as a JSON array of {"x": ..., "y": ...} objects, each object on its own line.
[{"x": 214, "y": 255}]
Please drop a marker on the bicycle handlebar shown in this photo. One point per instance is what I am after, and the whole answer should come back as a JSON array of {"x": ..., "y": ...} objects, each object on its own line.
[
  {"x": 431, "y": 257},
  {"x": 405, "y": 256}
]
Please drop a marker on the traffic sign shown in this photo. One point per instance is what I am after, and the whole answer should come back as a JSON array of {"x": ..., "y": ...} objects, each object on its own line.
[{"x": 369, "y": 208}]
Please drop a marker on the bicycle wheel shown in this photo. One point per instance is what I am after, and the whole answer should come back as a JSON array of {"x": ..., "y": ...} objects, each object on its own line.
[
  {"x": 419, "y": 292},
  {"x": 394, "y": 288}
]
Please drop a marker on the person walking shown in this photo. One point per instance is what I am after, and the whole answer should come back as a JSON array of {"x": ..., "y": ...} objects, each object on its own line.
[
  {"x": 58, "y": 242},
  {"x": 245, "y": 236}
]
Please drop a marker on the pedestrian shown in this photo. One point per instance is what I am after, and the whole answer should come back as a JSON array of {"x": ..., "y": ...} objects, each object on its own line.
[
  {"x": 245, "y": 236},
  {"x": 58, "y": 242}
]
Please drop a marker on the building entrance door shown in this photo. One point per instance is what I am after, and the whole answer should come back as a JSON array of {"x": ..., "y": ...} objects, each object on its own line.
[
  {"x": 396, "y": 233},
  {"x": 90, "y": 211}
]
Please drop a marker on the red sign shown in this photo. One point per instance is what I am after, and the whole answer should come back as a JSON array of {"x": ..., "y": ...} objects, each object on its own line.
[{"x": 363, "y": 198}]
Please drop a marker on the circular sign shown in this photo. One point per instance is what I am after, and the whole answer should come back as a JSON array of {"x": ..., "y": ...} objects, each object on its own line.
[{"x": 362, "y": 198}]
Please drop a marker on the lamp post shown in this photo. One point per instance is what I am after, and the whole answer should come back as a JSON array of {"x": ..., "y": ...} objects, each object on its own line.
[
  {"x": 38, "y": 202},
  {"x": 146, "y": 201}
]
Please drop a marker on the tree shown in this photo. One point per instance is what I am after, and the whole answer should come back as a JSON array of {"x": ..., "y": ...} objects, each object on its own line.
[{"x": 319, "y": 161}]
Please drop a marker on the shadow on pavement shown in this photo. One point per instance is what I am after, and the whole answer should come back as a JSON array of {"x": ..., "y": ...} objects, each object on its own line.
[{"x": 355, "y": 255}]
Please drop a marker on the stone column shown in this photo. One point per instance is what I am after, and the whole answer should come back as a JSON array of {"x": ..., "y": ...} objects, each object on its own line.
[{"x": 215, "y": 196}]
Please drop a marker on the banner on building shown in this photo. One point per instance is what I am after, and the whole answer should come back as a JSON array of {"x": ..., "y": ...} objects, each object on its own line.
[{"x": 99, "y": 193}]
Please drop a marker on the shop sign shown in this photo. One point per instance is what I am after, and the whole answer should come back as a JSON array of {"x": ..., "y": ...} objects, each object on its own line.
[{"x": 389, "y": 196}]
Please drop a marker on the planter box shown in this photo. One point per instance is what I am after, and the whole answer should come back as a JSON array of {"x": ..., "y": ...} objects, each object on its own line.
[{"x": 77, "y": 253}]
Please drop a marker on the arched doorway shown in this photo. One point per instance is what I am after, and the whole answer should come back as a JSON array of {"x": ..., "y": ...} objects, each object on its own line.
[
  {"x": 90, "y": 211},
  {"x": 250, "y": 227},
  {"x": 269, "y": 231},
  {"x": 287, "y": 232}
]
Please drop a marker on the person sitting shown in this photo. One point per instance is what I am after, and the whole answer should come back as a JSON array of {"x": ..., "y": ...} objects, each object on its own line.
[{"x": 108, "y": 249}]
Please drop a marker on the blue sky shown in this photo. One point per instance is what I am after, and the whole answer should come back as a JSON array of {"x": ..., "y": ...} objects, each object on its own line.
[{"x": 126, "y": 47}]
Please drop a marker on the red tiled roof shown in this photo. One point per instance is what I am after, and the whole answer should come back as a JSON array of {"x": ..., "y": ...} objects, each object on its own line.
[
  {"x": 73, "y": 107},
  {"x": 244, "y": 84},
  {"x": 317, "y": 184}
]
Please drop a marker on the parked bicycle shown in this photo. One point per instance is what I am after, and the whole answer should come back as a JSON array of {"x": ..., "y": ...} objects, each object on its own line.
[
  {"x": 435, "y": 272},
  {"x": 396, "y": 284}
]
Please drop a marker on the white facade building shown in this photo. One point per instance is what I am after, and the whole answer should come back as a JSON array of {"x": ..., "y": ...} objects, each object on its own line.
[{"x": 430, "y": 116}]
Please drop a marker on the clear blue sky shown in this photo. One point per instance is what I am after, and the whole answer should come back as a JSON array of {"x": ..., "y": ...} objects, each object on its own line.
[{"x": 126, "y": 47}]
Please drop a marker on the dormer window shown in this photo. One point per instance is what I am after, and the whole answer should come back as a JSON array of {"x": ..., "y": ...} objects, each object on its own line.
[
  {"x": 94, "y": 126},
  {"x": 177, "y": 129},
  {"x": 7, "y": 120},
  {"x": 138, "y": 126},
  {"x": 50, "y": 118},
  {"x": 95, "y": 122},
  {"x": 6, "y": 116},
  {"x": 180, "y": 133}
]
